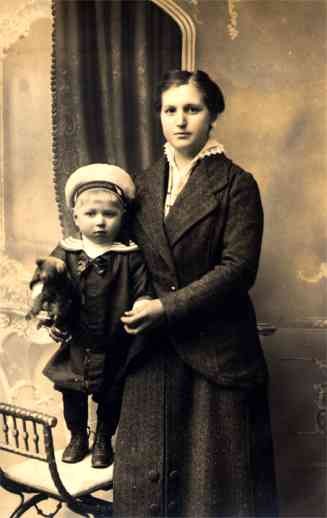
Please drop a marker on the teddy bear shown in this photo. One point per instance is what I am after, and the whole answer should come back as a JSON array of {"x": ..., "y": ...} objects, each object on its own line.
[{"x": 56, "y": 296}]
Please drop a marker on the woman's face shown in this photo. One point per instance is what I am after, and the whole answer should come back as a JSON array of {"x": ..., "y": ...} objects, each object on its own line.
[{"x": 185, "y": 119}]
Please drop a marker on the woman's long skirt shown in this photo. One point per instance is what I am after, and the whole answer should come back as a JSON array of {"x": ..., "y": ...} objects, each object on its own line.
[{"x": 187, "y": 447}]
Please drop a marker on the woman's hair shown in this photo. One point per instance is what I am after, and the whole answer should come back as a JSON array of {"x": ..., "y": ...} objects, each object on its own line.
[{"x": 213, "y": 97}]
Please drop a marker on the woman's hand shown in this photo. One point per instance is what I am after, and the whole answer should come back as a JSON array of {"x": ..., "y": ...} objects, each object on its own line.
[{"x": 145, "y": 314}]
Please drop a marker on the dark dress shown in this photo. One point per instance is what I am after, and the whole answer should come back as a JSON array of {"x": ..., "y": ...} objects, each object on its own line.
[{"x": 194, "y": 436}]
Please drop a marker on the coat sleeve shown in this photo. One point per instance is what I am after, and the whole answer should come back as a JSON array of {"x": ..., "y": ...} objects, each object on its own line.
[
  {"x": 140, "y": 278},
  {"x": 235, "y": 273}
]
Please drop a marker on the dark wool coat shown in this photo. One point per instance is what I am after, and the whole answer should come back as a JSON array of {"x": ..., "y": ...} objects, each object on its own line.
[
  {"x": 98, "y": 351},
  {"x": 194, "y": 437}
]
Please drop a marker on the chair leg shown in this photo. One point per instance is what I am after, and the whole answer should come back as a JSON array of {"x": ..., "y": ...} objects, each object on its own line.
[
  {"x": 24, "y": 506},
  {"x": 92, "y": 506}
]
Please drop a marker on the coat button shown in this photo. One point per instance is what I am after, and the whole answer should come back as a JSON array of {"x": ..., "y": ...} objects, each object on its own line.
[
  {"x": 172, "y": 506},
  {"x": 154, "y": 509},
  {"x": 172, "y": 288},
  {"x": 173, "y": 475},
  {"x": 153, "y": 475}
]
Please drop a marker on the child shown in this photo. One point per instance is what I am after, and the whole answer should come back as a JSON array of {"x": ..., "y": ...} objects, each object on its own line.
[{"x": 108, "y": 277}]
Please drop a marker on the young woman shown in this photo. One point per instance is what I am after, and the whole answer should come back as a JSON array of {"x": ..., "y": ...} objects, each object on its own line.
[{"x": 194, "y": 437}]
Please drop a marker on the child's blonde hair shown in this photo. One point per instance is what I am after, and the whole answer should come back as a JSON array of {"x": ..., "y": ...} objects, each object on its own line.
[{"x": 85, "y": 196}]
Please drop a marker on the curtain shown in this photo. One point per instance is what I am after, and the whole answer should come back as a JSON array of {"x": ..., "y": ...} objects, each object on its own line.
[{"x": 108, "y": 56}]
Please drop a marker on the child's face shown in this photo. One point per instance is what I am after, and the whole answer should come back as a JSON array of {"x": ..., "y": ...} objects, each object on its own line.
[{"x": 98, "y": 215}]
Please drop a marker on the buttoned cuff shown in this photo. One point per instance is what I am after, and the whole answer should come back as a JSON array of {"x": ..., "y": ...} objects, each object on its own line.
[{"x": 175, "y": 308}]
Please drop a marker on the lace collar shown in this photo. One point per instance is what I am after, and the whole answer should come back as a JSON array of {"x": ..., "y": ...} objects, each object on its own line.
[{"x": 212, "y": 147}]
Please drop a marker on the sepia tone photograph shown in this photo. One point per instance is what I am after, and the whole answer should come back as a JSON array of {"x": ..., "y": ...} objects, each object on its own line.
[{"x": 163, "y": 258}]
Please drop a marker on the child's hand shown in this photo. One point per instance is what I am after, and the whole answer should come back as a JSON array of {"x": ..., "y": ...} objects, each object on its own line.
[
  {"x": 59, "y": 335},
  {"x": 145, "y": 314},
  {"x": 44, "y": 319}
]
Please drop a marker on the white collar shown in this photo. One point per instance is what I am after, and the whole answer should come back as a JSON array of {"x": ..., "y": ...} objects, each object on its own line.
[
  {"x": 94, "y": 250},
  {"x": 211, "y": 147}
]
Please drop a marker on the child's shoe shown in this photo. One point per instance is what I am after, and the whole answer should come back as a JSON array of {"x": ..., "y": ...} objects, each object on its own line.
[
  {"x": 77, "y": 448},
  {"x": 102, "y": 454}
]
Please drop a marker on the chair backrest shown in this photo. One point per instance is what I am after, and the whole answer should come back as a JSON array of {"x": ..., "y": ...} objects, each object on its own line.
[
  {"x": 29, "y": 433},
  {"x": 25, "y": 432}
]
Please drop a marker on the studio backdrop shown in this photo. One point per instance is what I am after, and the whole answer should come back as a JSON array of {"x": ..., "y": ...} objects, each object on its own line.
[{"x": 108, "y": 56}]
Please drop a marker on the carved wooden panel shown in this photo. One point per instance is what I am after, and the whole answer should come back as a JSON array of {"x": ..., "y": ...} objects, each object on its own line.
[{"x": 297, "y": 360}]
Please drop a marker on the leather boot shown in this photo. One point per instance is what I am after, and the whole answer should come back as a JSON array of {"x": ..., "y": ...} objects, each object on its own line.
[
  {"x": 77, "y": 448},
  {"x": 102, "y": 454}
]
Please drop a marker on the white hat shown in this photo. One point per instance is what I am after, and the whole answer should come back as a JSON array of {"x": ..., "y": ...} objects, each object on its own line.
[{"x": 99, "y": 176}]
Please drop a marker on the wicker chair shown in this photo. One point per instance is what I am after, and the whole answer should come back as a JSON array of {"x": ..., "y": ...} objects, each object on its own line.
[{"x": 42, "y": 475}]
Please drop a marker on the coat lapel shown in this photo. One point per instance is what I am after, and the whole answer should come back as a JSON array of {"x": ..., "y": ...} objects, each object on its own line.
[
  {"x": 151, "y": 209},
  {"x": 198, "y": 198}
]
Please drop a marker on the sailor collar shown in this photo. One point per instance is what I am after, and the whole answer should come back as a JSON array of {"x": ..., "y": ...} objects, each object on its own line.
[{"x": 73, "y": 244}]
